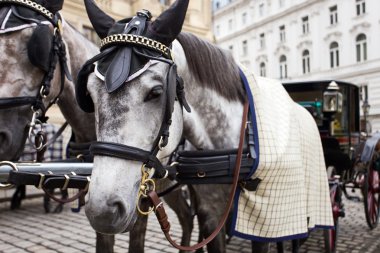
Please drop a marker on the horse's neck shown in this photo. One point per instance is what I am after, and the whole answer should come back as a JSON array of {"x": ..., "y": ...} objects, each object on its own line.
[
  {"x": 214, "y": 122},
  {"x": 78, "y": 50}
]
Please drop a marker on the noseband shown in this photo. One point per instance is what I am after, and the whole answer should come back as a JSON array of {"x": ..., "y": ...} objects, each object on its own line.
[
  {"x": 147, "y": 49},
  {"x": 46, "y": 61}
]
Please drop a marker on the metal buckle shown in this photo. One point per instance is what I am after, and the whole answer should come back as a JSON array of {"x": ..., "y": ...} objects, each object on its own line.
[
  {"x": 67, "y": 179},
  {"x": 14, "y": 167},
  {"x": 201, "y": 174},
  {"x": 146, "y": 185},
  {"x": 42, "y": 178}
]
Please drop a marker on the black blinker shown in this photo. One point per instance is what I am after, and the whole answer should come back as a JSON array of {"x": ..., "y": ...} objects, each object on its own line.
[{"x": 39, "y": 47}]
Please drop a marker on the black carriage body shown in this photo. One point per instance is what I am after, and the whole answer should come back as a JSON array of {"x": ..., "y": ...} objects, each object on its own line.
[{"x": 345, "y": 125}]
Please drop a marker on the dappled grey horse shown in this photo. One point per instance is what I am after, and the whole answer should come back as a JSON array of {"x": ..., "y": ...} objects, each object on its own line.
[
  {"x": 26, "y": 45},
  {"x": 133, "y": 113},
  {"x": 136, "y": 86},
  {"x": 27, "y": 33}
]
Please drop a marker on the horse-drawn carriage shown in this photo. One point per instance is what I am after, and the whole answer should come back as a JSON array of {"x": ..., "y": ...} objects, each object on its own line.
[{"x": 351, "y": 157}]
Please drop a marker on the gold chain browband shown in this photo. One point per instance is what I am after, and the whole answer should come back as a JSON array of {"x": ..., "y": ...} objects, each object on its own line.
[
  {"x": 32, "y": 5},
  {"x": 135, "y": 40}
]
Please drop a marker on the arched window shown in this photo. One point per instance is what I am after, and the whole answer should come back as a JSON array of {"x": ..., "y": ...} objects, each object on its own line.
[
  {"x": 361, "y": 48},
  {"x": 283, "y": 67},
  {"x": 263, "y": 71},
  {"x": 334, "y": 54},
  {"x": 306, "y": 61}
]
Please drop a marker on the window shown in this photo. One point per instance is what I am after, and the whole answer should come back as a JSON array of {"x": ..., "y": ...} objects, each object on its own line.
[
  {"x": 231, "y": 48},
  {"x": 305, "y": 25},
  {"x": 333, "y": 15},
  {"x": 361, "y": 47},
  {"x": 244, "y": 47},
  {"x": 360, "y": 7},
  {"x": 262, "y": 41},
  {"x": 244, "y": 18},
  {"x": 217, "y": 5},
  {"x": 334, "y": 55},
  {"x": 261, "y": 10},
  {"x": 306, "y": 61},
  {"x": 217, "y": 30},
  {"x": 263, "y": 69},
  {"x": 230, "y": 24},
  {"x": 283, "y": 67},
  {"x": 282, "y": 33}
]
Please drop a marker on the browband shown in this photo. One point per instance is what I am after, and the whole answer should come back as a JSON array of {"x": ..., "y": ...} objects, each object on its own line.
[
  {"x": 135, "y": 40},
  {"x": 33, "y": 5}
]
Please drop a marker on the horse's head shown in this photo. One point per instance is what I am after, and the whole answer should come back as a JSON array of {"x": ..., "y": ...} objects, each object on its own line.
[
  {"x": 133, "y": 93},
  {"x": 25, "y": 42}
]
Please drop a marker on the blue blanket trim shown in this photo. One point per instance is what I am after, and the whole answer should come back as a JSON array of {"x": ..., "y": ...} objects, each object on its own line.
[
  {"x": 257, "y": 150},
  {"x": 254, "y": 121}
]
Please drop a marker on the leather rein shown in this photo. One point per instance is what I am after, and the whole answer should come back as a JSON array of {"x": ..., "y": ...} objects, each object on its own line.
[{"x": 160, "y": 210}]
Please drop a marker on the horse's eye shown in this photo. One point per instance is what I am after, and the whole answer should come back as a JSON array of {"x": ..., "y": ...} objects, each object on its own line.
[{"x": 155, "y": 92}]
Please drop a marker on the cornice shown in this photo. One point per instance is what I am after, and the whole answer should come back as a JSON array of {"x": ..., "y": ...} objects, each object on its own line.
[
  {"x": 358, "y": 27},
  {"x": 304, "y": 44},
  {"x": 332, "y": 35}
]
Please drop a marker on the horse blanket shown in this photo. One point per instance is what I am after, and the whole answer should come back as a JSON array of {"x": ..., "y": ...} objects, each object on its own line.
[{"x": 293, "y": 195}]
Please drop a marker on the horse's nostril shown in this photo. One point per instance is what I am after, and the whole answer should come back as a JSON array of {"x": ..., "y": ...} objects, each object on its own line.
[{"x": 119, "y": 205}]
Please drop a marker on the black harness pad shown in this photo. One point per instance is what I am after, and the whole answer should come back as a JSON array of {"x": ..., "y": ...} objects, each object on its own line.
[{"x": 39, "y": 47}]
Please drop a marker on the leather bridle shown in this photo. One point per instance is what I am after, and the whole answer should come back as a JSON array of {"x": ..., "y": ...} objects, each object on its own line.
[{"x": 57, "y": 54}]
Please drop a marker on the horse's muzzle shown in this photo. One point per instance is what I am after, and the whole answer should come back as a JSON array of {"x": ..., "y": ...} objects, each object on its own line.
[{"x": 110, "y": 217}]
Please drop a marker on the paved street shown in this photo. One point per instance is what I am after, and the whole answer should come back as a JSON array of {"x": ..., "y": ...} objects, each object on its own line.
[{"x": 31, "y": 230}]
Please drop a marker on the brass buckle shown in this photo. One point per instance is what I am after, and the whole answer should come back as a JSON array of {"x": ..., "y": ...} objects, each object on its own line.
[
  {"x": 146, "y": 186},
  {"x": 67, "y": 179},
  {"x": 14, "y": 167},
  {"x": 42, "y": 178}
]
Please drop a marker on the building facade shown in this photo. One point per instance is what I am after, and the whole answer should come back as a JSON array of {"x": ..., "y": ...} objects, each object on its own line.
[{"x": 305, "y": 40}]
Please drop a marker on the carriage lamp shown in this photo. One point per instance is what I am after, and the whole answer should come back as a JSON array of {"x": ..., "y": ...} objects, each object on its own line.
[{"x": 332, "y": 98}]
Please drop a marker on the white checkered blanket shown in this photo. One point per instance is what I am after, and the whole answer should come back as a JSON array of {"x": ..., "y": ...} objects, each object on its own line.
[{"x": 293, "y": 196}]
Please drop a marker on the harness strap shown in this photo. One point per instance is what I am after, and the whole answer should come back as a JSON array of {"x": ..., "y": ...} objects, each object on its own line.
[
  {"x": 129, "y": 153},
  {"x": 48, "y": 181},
  {"x": 160, "y": 210},
  {"x": 11, "y": 102}
]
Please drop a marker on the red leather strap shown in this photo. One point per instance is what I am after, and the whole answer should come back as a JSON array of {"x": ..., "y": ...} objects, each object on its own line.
[{"x": 160, "y": 210}]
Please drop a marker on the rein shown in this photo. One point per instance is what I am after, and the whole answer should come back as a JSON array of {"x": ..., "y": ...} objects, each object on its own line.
[{"x": 160, "y": 210}]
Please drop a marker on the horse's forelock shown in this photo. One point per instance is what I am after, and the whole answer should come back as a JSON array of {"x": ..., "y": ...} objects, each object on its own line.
[{"x": 212, "y": 67}]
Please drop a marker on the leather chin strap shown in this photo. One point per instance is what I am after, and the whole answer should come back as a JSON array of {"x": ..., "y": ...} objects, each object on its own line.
[{"x": 163, "y": 218}]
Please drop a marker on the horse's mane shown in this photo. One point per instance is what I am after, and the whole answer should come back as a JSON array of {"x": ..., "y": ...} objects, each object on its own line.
[{"x": 212, "y": 67}]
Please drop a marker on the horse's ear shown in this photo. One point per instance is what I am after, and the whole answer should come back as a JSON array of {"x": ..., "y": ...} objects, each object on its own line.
[
  {"x": 101, "y": 22},
  {"x": 168, "y": 25}
]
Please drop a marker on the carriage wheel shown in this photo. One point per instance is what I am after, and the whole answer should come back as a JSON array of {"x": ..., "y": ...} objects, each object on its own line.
[
  {"x": 371, "y": 196},
  {"x": 331, "y": 235}
]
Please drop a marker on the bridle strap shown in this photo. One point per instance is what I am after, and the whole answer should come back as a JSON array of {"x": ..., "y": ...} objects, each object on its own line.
[
  {"x": 11, "y": 102},
  {"x": 129, "y": 153},
  {"x": 163, "y": 218}
]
